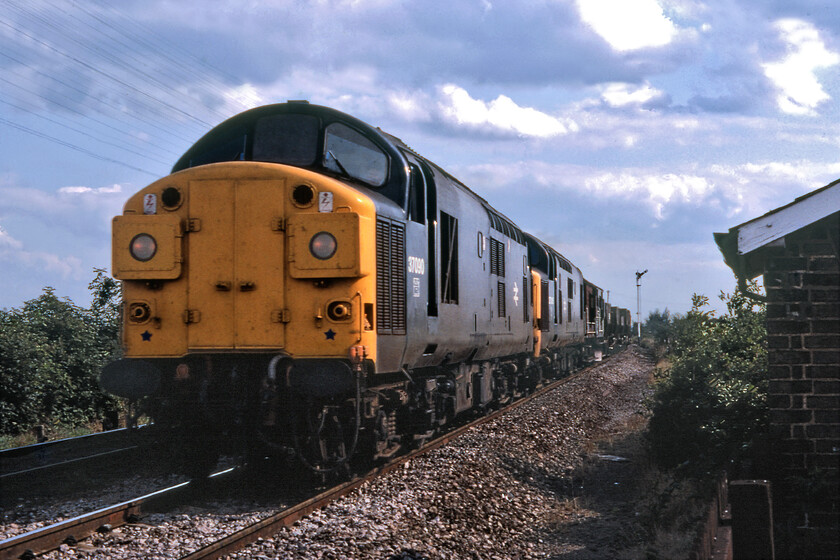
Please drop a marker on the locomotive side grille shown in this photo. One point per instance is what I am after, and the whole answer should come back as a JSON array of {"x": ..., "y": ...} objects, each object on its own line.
[
  {"x": 497, "y": 257},
  {"x": 390, "y": 277},
  {"x": 398, "y": 270},
  {"x": 383, "y": 277},
  {"x": 500, "y": 294}
]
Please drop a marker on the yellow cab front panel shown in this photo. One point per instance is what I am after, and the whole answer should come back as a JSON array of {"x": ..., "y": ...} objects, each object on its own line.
[
  {"x": 247, "y": 280},
  {"x": 236, "y": 261}
]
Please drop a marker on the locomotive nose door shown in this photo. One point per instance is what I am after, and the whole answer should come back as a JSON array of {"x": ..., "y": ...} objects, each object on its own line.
[{"x": 236, "y": 265}]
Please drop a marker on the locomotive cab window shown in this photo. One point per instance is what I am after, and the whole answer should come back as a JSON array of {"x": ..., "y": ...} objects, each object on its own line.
[
  {"x": 286, "y": 138},
  {"x": 448, "y": 258},
  {"x": 349, "y": 153},
  {"x": 416, "y": 194}
]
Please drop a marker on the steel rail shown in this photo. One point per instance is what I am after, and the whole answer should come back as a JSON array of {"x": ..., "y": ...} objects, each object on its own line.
[
  {"x": 271, "y": 525},
  {"x": 25, "y": 450},
  {"x": 9, "y": 475},
  {"x": 70, "y": 531}
]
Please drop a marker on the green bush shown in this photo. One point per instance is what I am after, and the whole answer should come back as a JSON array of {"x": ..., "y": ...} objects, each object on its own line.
[
  {"x": 51, "y": 352},
  {"x": 659, "y": 326},
  {"x": 709, "y": 410}
]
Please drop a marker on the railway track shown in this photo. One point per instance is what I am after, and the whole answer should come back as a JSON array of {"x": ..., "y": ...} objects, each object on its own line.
[
  {"x": 71, "y": 531},
  {"x": 287, "y": 517},
  {"x": 45, "y": 458}
]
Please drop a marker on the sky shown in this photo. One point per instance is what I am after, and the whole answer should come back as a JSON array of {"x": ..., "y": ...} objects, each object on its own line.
[{"x": 622, "y": 132}]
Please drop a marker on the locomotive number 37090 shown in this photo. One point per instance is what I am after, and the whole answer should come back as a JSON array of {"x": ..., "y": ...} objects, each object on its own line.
[{"x": 416, "y": 265}]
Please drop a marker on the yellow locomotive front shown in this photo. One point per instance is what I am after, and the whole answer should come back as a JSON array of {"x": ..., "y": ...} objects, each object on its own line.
[
  {"x": 252, "y": 258},
  {"x": 249, "y": 289}
]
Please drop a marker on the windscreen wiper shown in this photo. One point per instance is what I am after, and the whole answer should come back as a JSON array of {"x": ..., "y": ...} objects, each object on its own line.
[{"x": 338, "y": 162}]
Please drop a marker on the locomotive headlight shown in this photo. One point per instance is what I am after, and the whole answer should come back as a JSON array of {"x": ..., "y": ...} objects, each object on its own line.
[
  {"x": 339, "y": 311},
  {"x": 323, "y": 245},
  {"x": 143, "y": 247}
]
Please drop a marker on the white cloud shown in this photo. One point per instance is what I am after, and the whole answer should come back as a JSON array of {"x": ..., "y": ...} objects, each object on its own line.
[
  {"x": 675, "y": 271},
  {"x": 115, "y": 188},
  {"x": 503, "y": 114},
  {"x": 411, "y": 106},
  {"x": 361, "y": 4},
  {"x": 243, "y": 97},
  {"x": 67, "y": 266},
  {"x": 628, "y": 24},
  {"x": 618, "y": 94},
  {"x": 68, "y": 212},
  {"x": 737, "y": 191},
  {"x": 8, "y": 242},
  {"x": 686, "y": 123},
  {"x": 658, "y": 189},
  {"x": 358, "y": 90},
  {"x": 13, "y": 251},
  {"x": 55, "y": 238},
  {"x": 800, "y": 91}
]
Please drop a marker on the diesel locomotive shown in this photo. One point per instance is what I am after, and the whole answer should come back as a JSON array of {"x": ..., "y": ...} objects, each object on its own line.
[{"x": 304, "y": 283}]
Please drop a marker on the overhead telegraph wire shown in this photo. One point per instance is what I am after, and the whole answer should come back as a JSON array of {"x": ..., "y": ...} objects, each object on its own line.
[
  {"x": 120, "y": 37},
  {"x": 102, "y": 33},
  {"x": 82, "y": 132},
  {"x": 150, "y": 32},
  {"x": 86, "y": 94},
  {"x": 73, "y": 146},
  {"x": 156, "y": 48},
  {"x": 100, "y": 72}
]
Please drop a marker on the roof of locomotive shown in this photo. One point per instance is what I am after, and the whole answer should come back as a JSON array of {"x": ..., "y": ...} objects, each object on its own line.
[
  {"x": 242, "y": 128},
  {"x": 498, "y": 221},
  {"x": 393, "y": 146},
  {"x": 539, "y": 244},
  {"x": 248, "y": 118}
]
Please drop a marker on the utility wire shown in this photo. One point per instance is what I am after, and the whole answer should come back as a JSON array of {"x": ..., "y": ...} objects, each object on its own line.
[
  {"x": 104, "y": 100},
  {"x": 127, "y": 58},
  {"x": 100, "y": 72},
  {"x": 162, "y": 40},
  {"x": 83, "y": 133},
  {"x": 156, "y": 47},
  {"x": 113, "y": 33},
  {"x": 65, "y": 33},
  {"x": 73, "y": 146}
]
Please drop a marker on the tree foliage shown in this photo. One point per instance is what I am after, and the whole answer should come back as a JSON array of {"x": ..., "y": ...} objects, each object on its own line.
[
  {"x": 51, "y": 352},
  {"x": 660, "y": 326},
  {"x": 710, "y": 408}
]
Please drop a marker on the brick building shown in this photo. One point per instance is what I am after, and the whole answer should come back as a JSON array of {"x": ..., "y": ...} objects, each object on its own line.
[{"x": 797, "y": 250}]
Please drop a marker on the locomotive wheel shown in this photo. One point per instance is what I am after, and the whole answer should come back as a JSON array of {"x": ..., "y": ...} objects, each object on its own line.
[
  {"x": 386, "y": 441},
  {"x": 323, "y": 439}
]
